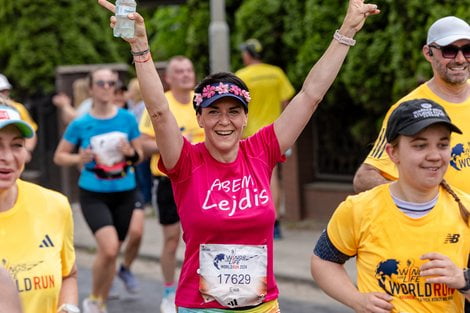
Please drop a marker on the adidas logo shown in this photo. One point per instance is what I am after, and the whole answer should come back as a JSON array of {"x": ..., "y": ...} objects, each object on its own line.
[
  {"x": 233, "y": 303},
  {"x": 46, "y": 242}
]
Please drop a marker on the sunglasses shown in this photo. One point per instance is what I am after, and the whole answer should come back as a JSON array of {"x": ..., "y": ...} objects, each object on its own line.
[
  {"x": 103, "y": 83},
  {"x": 451, "y": 51}
]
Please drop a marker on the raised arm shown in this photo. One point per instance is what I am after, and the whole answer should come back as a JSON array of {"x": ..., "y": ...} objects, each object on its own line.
[
  {"x": 167, "y": 133},
  {"x": 299, "y": 111}
]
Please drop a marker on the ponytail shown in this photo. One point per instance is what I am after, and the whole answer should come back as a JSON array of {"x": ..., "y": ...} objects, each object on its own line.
[{"x": 463, "y": 210}]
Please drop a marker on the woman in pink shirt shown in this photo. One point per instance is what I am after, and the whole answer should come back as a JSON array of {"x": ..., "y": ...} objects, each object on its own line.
[{"x": 221, "y": 186}]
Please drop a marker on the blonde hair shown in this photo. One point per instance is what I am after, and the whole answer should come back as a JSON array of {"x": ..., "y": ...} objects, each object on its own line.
[
  {"x": 81, "y": 91},
  {"x": 133, "y": 90},
  {"x": 463, "y": 210}
]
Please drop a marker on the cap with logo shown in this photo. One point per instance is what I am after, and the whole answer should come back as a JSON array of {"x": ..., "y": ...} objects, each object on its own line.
[
  {"x": 411, "y": 117},
  {"x": 4, "y": 83},
  {"x": 448, "y": 29},
  {"x": 9, "y": 116}
]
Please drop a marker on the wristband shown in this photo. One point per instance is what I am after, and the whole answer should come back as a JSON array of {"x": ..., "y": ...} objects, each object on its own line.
[
  {"x": 466, "y": 275},
  {"x": 133, "y": 158},
  {"x": 149, "y": 56},
  {"x": 140, "y": 53},
  {"x": 343, "y": 39}
]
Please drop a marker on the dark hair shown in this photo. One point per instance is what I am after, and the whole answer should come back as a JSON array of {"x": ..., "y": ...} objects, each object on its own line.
[
  {"x": 463, "y": 210},
  {"x": 220, "y": 77}
]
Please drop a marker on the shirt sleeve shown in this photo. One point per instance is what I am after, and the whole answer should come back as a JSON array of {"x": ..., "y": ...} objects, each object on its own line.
[
  {"x": 378, "y": 157},
  {"x": 134, "y": 127},
  {"x": 72, "y": 133},
  {"x": 67, "y": 253},
  {"x": 342, "y": 230},
  {"x": 286, "y": 88}
]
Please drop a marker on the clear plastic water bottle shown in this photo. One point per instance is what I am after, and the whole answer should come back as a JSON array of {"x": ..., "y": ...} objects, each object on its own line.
[{"x": 124, "y": 26}]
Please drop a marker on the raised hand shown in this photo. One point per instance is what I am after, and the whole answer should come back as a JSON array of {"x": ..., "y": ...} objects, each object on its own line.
[
  {"x": 357, "y": 13},
  {"x": 140, "y": 36}
]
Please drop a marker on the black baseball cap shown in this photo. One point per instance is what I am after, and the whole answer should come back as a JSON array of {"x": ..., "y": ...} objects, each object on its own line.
[{"x": 411, "y": 117}]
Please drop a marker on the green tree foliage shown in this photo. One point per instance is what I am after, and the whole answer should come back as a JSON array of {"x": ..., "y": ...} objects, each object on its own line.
[
  {"x": 260, "y": 19},
  {"x": 167, "y": 31},
  {"x": 37, "y": 36}
]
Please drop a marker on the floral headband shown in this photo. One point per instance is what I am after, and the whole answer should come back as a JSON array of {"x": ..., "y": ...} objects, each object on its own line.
[{"x": 211, "y": 93}]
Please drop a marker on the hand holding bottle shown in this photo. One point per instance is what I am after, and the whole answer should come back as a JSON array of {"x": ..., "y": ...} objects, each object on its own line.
[{"x": 139, "y": 40}]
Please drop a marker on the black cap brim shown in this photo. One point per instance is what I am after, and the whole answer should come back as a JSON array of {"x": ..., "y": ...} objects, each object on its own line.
[{"x": 415, "y": 128}]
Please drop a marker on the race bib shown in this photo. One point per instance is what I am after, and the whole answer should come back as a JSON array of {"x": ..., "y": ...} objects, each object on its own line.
[{"x": 233, "y": 275}]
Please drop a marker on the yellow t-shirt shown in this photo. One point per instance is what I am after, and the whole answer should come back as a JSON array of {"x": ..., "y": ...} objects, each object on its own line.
[
  {"x": 186, "y": 119},
  {"x": 36, "y": 245},
  {"x": 269, "y": 87},
  {"x": 388, "y": 245},
  {"x": 24, "y": 114},
  {"x": 458, "y": 173}
]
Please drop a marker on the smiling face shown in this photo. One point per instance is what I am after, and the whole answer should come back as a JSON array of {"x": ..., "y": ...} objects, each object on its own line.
[
  {"x": 223, "y": 124},
  {"x": 422, "y": 159},
  {"x": 13, "y": 156},
  {"x": 454, "y": 71}
]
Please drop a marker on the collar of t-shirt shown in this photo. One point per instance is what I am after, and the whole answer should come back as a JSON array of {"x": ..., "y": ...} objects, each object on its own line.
[{"x": 415, "y": 210}]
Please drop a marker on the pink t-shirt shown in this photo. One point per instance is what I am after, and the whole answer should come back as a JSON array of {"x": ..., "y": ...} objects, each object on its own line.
[{"x": 224, "y": 203}]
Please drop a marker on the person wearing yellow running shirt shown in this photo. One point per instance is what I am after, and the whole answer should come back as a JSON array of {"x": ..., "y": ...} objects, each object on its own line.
[
  {"x": 411, "y": 237},
  {"x": 5, "y": 88},
  {"x": 447, "y": 49},
  {"x": 270, "y": 92},
  {"x": 181, "y": 80},
  {"x": 36, "y": 228}
]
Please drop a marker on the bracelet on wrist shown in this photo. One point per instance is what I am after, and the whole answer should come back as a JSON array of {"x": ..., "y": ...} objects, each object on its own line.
[
  {"x": 140, "y": 53},
  {"x": 343, "y": 39},
  {"x": 133, "y": 158},
  {"x": 147, "y": 58},
  {"x": 466, "y": 275}
]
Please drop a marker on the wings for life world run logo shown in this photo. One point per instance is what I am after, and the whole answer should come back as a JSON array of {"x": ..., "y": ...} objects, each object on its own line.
[
  {"x": 460, "y": 156},
  {"x": 402, "y": 280},
  {"x": 232, "y": 261},
  {"x": 24, "y": 280}
]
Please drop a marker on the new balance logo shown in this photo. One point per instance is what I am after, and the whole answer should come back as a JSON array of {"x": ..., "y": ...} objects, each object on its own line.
[
  {"x": 46, "y": 242},
  {"x": 452, "y": 238}
]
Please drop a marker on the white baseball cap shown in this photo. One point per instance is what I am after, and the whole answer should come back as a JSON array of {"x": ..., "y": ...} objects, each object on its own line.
[
  {"x": 9, "y": 116},
  {"x": 4, "y": 83},
  {"x": 448, "y": 29}
]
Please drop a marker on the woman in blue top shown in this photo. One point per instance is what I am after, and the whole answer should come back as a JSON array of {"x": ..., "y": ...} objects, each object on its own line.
[{"x": 108, "y": 144}]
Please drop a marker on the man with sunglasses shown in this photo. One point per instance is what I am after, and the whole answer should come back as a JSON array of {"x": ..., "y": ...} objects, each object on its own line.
[{"x": 447, "y": 49}]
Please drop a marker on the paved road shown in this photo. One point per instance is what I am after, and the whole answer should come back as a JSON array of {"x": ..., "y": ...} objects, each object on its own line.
[{"x": 296, "y": 297}]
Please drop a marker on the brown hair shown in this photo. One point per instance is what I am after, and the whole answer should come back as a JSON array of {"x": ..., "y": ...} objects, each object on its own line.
[{"x": 463, "y": 210}]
